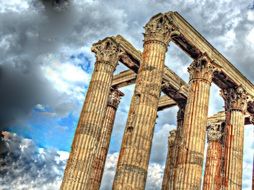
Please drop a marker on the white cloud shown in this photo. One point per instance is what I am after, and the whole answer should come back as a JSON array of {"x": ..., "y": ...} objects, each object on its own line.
[
  {"x": 67, "y": 78},
  {"x": 160, "y": 144},
  {"x": 14, "y": 5},
  {"x": 250, "y": 37},
  {"x": 25, "y": 166},
  {"x": 109, "y": 172}
]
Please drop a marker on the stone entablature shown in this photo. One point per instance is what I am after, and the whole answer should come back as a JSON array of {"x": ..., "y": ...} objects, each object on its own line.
[{"x": 176, "y": 88}]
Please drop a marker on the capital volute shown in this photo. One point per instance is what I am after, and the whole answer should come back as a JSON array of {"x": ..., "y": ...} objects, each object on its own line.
[
  {"x": 160, "y": 29},
  {"x": 171, "y": 137},
  {"x": 114, "y": 98},
  {"x": 202, "y": 69},
  {"x": 107, "y": 51},
  {"x": 215, "y": 132},
  {"x": 235, "y": 99}
]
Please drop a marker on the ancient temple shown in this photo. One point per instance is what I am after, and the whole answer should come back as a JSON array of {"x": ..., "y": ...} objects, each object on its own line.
[{"x": 224, "y": 132}]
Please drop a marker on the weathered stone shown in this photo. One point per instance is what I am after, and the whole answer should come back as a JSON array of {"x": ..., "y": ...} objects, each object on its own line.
[
  {"x": 79, "y": 165},
  {"x": 190, "y": 156},
  {"x": 168, "y": 177},
  {"x": 87, "y": 158},
  {"x": 103, "y": 145},
  {"x": 213, "y": 168},
  {"x": 235, "y": 107},
  {"x": 137, "y": 140}
]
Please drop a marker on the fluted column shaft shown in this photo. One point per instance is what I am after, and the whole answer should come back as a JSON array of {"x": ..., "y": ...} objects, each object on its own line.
[
  {"x": 234, "y": 151},
  {"x": 212, "y": 177},
  {"x": 104, "y": 141},
  {"x": 235, "y": 105},
  {"x": 172, "y": 156},
  {"x": 179, "y": 137},
  {"x": 135, "y": 151},
  {"x": 168, "y": 177},
  {"x": 88, "y": 131},
  {"x": 191, "y": 153}
]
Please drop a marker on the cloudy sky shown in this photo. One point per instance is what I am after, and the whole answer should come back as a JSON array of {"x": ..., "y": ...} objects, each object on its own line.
[{"x": 46, "y": 65}]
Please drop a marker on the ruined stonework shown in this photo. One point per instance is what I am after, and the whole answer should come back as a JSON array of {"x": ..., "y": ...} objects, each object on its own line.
[
  {"x": 103, "y": 145},
  {"x": 191, "y": 152},
  {"x": 168, "y": 177},
  {"x": 147, "y": 70},
  {"x": 213, "y": 167},
  {"x": 235, "y": 107},
  {"x": 136, "y": 145},
  {"x": 78, "y": 169}
]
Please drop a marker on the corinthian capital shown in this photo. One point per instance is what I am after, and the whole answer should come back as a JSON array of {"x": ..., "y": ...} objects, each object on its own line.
[
  {"x": 160, "y": 29},
  {"x": 107, "y": 51},
  {"x": 171, "y": 137},
  {"x": 202, "y": 68},
  {"x": 214, "y": 132},
  {"x": 114, "y": 98},
  {"x": 235, "y": 99}
]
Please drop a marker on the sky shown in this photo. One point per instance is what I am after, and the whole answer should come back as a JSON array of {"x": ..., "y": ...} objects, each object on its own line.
[{"x": 46, "y": 65}]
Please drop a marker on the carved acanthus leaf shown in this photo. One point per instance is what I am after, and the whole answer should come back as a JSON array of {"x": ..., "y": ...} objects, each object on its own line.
[
  {"x": 114, "y": 98},
  {"x": 160, "y": 28},
  {"x": 202, "y": 68},
  {"x": 235, "y": 99},
  {"x": 107, "y": 51},
  {"x": 214, "y": 132}
]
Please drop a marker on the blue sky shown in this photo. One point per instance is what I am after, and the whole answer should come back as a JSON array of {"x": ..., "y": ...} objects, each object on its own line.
[
  {"x": 46, "y": 65},
  {"x": 48, "y": 130}
]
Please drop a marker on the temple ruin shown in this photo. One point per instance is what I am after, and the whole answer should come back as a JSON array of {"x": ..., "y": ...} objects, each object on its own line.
[{"x": 186, "y": 144}]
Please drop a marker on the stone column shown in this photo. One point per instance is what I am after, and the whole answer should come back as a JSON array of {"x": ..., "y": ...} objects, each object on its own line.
[
  {"x": 88, "y": 131},
  {"x": 235, "y": 106},
  {"x": 191, "y": 153},
  {"x": 134, "y": 156},
  {"x": 179, "y": 136},
  {"x": 103, "y": 145},
  {"x": 168, "y": 178},
  {"x": 213, "y": 178},
  {"x": 171, "y": 162}
]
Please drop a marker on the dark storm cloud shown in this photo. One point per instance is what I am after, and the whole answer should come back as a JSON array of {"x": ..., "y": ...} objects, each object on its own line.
[
  {"x": 27, "y": 37},
  {"x": 23, "y": 166},
  {"x": 22, "y": 87}
]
